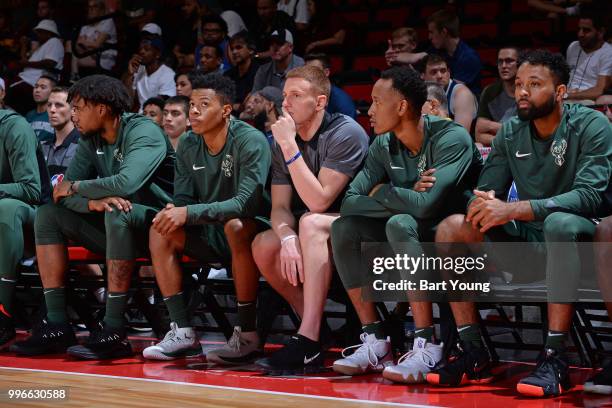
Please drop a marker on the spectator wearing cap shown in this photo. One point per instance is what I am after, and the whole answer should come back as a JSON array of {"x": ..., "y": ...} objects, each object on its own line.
[
  {"x": 48, "y": 57},
  {"x": 139, "y": 14},
  {"x": 283, "y": 60},
  {"x": 242, "y": 50},
  {"x": 150, "y": 30},
  {"x": 38, "y": 118},
  {"x": 147, "y": 76},
  {"x": 214, "y": 32},
  {"x": 211, "y": 59},
  {"x": 263, "y": 108},
  {"x": 339, "y": 101}
]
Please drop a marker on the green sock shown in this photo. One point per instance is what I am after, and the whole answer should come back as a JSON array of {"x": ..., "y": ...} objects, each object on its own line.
[
  {"x": 556, "y": 340},
  {"x": 428, "y": 333},
  {"x": 177, "y": 309},
  {"x": 376, "y": 329},
  {"x": 7, "y": 289},
  {"x": 247, "y": 316},
  {"x": 55, "y": 298},
  {"x": 470, "y": 333},
  {"x": 115, "y": 309}
]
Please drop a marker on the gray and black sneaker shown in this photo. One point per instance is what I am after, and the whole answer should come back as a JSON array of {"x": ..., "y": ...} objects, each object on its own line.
[
  {"x": 179, "y": 342},
  {"x": 241, "y": 348}
]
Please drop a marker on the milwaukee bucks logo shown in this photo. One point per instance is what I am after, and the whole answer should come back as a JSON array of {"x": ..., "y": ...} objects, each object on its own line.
[
  {"x": 227, "y": 165},
  {"x": 557, "y": 149},
  {"x": 421, "y": 164},
  {"x": 118, "y": 155}
]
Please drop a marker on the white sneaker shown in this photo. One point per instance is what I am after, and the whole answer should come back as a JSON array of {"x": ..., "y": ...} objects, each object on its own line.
[
  {"x": 413, "y": 366},
  {"x": 178, "y": 343},
  {"x": 373, "y": 355},
  {"x": 241, "y": 348}
]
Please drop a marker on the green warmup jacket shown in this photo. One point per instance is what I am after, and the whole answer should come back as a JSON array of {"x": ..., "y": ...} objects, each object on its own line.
[
  {"x": 568, "y": 172},
  {"x": 22, "y": 176},
  {"x": 447, "y": 147},
  {"x": 139, "y": 166},
  {"x": 230, "y": 184}
]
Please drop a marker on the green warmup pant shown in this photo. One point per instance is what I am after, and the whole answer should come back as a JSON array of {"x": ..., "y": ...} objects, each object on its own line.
[
  {"x": 120, "y": 235},
  {"x": 16, "y": 221},
  {"x": 560, "y": 233},
  {"x": 348, "y": 233}
]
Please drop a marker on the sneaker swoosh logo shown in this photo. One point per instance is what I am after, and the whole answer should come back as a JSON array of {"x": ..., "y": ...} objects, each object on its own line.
[
  {"x": 396, "y": 167},
  {"x": 309, "y": 360},
  {"x": 115, "y": 296},
  {"x": 198, "y": 168},
  {"x": 519, "y": 155},
  {"x": 8, "y": 280},
  {"x": 99, "y": 152}
]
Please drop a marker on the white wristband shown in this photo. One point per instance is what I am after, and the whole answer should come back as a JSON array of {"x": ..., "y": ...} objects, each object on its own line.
[{"x": 287, "y": 238}]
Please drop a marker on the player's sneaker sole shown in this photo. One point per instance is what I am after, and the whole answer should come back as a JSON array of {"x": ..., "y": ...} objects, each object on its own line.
[
  {"x": 434, "y": 379},
  {"x": 531, "y": 390}
]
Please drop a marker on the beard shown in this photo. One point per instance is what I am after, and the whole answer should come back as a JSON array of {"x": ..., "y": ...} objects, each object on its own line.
[
  {"x": 259, "y": 121},
  {"x": 537, "y": 112}
]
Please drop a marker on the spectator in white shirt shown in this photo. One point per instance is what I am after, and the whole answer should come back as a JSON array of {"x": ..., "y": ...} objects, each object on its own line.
[
  {"x": 48, "y": 57},
  {"x": 94, "y": 36},
  {"x": 298, "y": 9},
  {"x": 590, "y": 58},
  {"x": 147, "y": 76}
]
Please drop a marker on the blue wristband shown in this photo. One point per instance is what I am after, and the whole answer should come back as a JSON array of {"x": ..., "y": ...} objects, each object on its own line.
[{"x": 294, "y": 158}]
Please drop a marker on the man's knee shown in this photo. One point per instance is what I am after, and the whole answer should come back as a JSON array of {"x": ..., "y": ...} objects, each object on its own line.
[
  {"x": 401, "y": 228},
  {"x": 563, "y": 227},
  {"x": 314, "y": 225},
  {"x": 159, "y": 243},
  {"x": 603, "y": 233},
  {"x": 239, "y": 231},
  {"x": 265, "y": 246},
  {"x": 453, "y": 229}
]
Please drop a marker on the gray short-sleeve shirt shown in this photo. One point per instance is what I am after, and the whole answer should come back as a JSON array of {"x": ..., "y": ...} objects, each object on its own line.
[{"x": 340, "y": 144}]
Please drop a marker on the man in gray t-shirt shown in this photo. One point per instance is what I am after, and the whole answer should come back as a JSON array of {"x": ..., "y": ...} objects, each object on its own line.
[{"x": 315, "y": 155}]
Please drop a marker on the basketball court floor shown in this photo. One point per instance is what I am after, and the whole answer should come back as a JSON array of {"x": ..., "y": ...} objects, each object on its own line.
[{"x": 132, "y": 382}]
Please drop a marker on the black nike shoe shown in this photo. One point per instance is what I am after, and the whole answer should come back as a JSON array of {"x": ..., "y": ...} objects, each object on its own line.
[
  {"x": 550, "y": 377},
  {"x": 7, "y": 329},
  {"x": 299, "y": 356},
  {"x": 601, "y": 383},
  {"x": 46, "y": 338},
  {"x": 104, "y": 343},
  {"x": 471, "y": 366}
]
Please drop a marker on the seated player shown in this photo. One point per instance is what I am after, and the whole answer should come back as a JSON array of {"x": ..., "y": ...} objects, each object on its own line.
[
  {"x": 24, "y": 183},
  {"x": 315, "y": 155},
  {"x": 221, "y": 170},
  {"x": 382, "y": 206},
  {"x": 559, "y": 157},
  {"x": 120, "y": 176},
  {"x": 601, "y": 383}
]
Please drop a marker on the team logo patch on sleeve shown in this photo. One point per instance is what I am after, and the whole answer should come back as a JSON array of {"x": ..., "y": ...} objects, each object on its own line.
[
  {"x": 118, "y": 156},
  {"x": 557, "y": 149},
  {"x": 228, "y": 165}
]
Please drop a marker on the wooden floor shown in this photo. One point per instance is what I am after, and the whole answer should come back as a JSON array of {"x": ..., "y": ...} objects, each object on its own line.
[{"x": 85, "y": 390}]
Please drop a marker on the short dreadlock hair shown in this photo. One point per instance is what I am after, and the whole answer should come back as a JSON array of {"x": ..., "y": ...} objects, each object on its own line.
[{"x": 104, "y": 90}]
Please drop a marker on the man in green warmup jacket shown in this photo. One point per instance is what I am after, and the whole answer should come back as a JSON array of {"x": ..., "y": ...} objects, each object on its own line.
[
  {"x": 121, "y": 175},
  {"x": 221, "y": 171},
  {"x": 381, "y": 205},
  {"x": 559, "y": 156},
  {"x": 24, "y": 183}
]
